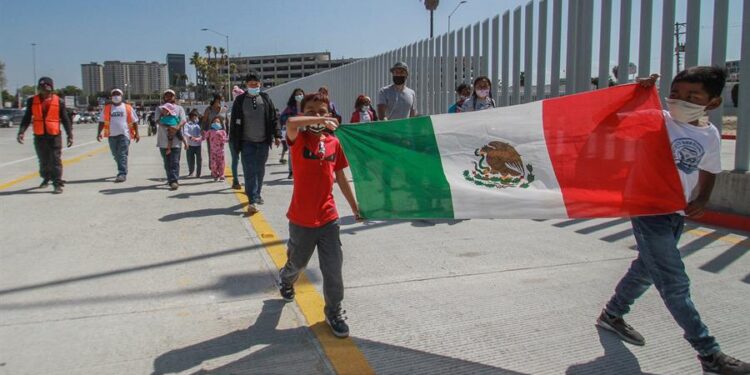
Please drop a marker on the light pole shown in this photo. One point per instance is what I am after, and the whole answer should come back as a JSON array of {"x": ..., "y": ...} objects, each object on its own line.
[
  {"x": 454, "y": 11},
  {"x": 229, "y": 80},
  {"x": 33, "y": 59}
]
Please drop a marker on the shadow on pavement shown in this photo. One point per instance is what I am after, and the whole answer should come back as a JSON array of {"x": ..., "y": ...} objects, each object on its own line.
[
  {"x": 91, "y": 181},
  {"x": 238, "y": 285},
  {"x": 204, "y": 212},
  {"x": 617, "y": 358},
  {"x": 280, "y": 182},
  {"x": 95, "y": 276},
  {"x": 225, "y": 190},
  {"x": 289, "y": 351},
  {"x": 33, "y": 190},
  {"x": 133, "y": 189}
]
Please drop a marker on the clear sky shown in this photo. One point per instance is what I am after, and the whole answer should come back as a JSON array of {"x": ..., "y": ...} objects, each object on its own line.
[{"x": 69, "y": 33}]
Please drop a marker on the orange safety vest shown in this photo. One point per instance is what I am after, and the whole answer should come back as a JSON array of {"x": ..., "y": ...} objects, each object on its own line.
[
  {"x": 48, "y": 123},
  {"x": 108, "y": 116}
]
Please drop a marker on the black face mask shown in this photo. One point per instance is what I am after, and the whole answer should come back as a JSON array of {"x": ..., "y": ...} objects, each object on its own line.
[{"x": 399, "y": 80}]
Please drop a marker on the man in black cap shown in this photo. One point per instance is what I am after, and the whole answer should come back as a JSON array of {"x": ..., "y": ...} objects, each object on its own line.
[
  {"x": 396, "y": 101},
  {"x": 47, "y": 110}
]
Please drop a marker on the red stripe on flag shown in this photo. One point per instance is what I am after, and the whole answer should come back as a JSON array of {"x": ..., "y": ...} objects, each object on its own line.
[{"x": 611, "y": 153}]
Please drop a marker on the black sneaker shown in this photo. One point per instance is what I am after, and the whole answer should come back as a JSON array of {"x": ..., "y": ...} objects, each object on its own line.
[
  {"x": 173, "y": 186},
  {"x": 722, "y": 364},
  {"x": 236, "y": 185},
  {"x": 44, "y": 184},
  {"x": 259, "y": 201},
  {"x": 337, "y": 322},
  {"x": 619, "y": 327},
  {"x": 58, "y": 189},
  {"x": 287, "y": 292}
]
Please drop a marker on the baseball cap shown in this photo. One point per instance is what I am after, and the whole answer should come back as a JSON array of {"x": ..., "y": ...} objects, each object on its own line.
[
  {"x": 401, "y": 65},
  {"x": 46, "y": 81},
  {"x": 116, "y": 91},
  {"x": 169, "y": 91}
]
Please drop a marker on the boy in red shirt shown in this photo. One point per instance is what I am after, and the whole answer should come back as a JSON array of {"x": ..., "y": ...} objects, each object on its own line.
[{"x": 317, "y": 159}]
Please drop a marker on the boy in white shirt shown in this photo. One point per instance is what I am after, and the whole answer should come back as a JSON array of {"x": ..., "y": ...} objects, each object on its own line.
[{"x": 697, "y": 154}]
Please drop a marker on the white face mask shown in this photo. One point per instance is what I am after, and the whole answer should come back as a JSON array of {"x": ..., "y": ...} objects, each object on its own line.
[
  {"x": 483, "y": 93},
  {"x": 365, "y": 108},
  {"x": 683, "y": 111},
  {"x": 117, "y": 99},
  {"x": 298, "y": 98}
]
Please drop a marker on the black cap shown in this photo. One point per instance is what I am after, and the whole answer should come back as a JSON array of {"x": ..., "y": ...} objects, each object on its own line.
[
  {"x": 252, "y": 76},
  {"x": 46, "y": 81}
]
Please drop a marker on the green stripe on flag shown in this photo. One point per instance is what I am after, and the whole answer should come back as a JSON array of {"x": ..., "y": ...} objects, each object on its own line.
[{"x": 397, "y": 169}]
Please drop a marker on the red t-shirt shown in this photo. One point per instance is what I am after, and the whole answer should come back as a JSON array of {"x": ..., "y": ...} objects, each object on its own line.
[{"x": 312, "y": 202}]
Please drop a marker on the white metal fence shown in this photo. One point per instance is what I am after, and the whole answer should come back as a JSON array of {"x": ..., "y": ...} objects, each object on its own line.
[{"x": 485, "y": 48}]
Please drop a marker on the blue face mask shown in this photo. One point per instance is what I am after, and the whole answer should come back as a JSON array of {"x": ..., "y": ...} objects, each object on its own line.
[
  {"x": 253, "y": 90},
  {"x": 216, "y": 126}
]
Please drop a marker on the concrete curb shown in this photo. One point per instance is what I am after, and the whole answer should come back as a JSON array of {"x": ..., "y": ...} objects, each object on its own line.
[{"x": 726, "y": 220}]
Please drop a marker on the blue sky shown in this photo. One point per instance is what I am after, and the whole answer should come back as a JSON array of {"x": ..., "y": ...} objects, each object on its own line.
[{"x": 69, "y": 33}]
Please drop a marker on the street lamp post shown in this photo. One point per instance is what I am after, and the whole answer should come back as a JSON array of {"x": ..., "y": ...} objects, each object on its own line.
[
  {"x": 454, "y": 11},
  {"x": 33, "y": 59},
  {"x": 229, "y": 80}
]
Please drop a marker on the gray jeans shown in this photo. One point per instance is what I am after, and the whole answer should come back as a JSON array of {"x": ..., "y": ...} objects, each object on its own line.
[{"x": 302, "y": 243}]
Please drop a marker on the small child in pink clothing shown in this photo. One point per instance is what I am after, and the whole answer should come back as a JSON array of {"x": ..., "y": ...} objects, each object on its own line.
[{"x": 216, "y": 138}]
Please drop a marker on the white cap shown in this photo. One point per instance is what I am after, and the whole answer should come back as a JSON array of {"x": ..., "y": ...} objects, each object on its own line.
[
  {"x": 169, "y": 91},
  {"x": 116, "y": 91}
]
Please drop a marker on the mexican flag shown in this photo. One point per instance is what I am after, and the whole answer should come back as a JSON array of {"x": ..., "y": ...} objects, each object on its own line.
[{"x": 604, "y": 153}]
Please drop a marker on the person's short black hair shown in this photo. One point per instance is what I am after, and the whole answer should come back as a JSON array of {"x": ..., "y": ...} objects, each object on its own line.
[
  {"x": 252, "y": 76},
  {"x": 462, "y": 87},
  {"x": 713, "y": 78}
]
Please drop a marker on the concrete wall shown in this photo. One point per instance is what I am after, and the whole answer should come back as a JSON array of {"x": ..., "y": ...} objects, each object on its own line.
[{"x": 731, "y": 193}]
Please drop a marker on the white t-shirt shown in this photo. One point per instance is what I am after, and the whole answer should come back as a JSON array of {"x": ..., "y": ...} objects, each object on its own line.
[
  {"x": 694, "y": 148},
  {"x": 118, "y": 123}
]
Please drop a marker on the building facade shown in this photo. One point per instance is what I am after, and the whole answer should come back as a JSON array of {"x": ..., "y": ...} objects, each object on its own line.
[
  {"x": 92, "y": 78},
  {"x": 176, "y": 70},
  {"x": 278, "y": 69},
  {"x": 135, "y": 78}
]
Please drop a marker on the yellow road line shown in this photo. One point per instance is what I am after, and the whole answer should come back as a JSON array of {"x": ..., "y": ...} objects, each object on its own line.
[
  {"x": 65, "y": 163},
  {"x": 724, "y": 237},
  {"x": 343, "y": 354}
]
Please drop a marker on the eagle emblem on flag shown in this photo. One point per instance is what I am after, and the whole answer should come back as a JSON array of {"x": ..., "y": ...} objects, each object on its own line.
[{"x": 499, "y": 166}]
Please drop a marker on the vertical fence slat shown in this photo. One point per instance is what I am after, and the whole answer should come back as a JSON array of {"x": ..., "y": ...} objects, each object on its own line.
[
  {"x": 667, "y": 48},
  {"x": 459, "y": 56},
  {"x": 516, "y": 96},
  {"x": 554, "y": 81},
  {"x": 451, "y": 69},
  {"x": 485, "y": 60},
  {"x": 623, "y": 58},
  {"x": 692, "y": 45},
  {"x": 719, "y": 52},
  {"x": 475, "y": 53},
  {"x": 431, "y": 74},
  {"x": 541, "y": 63},
  {"x": 571, "y": 50},
  {"x": 505, "y": 94},
  {"x": 467, "y": 54},
  {"x": 605, "y": 32},
  {"x": 528, "y": 51},
  {"x": 644, "y": 43},
  {"x": 496, "y": 56},
  {"x": 424, "y": 77},
  {"x": 742, "y": 147},
  {"x": 444, "y": 90},
  {"x": 584, "y": 44}
]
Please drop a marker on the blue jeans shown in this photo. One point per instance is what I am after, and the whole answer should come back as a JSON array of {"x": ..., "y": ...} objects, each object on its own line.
[
  {"x": 659, "y": 263},
  {"x": 171, "y": 164},
  {"x": 119, "y": 145},
  {"x": 254, "y": 158},
  {"x": 235, "y": 161}
]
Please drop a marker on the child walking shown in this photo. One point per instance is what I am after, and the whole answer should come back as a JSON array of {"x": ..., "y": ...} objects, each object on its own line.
[
  {"x": 216, "y": 138},
  {"x": 317, "y": 160},
  {"x": 696, "y": 149}
]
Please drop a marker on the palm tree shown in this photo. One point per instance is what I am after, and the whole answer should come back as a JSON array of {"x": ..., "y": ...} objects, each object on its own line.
[
  {"x": 208, "y": 51},
  {"x": 215, "y": 50},
  {"x": 222, "y": 51}
]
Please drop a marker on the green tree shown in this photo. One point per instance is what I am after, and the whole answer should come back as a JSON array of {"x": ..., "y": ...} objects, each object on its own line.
[
  {"x": 70, "y": 90},
  {"x": 27, "y": 90}
]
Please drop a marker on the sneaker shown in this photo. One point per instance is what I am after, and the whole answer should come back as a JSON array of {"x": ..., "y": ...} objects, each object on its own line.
[
  {"x": 221, "y": 179},
  {"x": 282, "y": 161},
  {"x": 287, "y": 292},
  {"x": 251, "y": 210},
  {"x": 619, "y": 327},
  {"x": 173, "y": 186},
  {"x": 721, "y": 364},
  {"x": 44, "y": 184},
  {"x": 236, "y": 185},
  {"x": 120, "y": 178},
  {"x": 58, "y": 189},
  {"x": 337, "y": 322},
  {"x": 259, "y": 200},
  {"x": 290, "y": 176}
]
